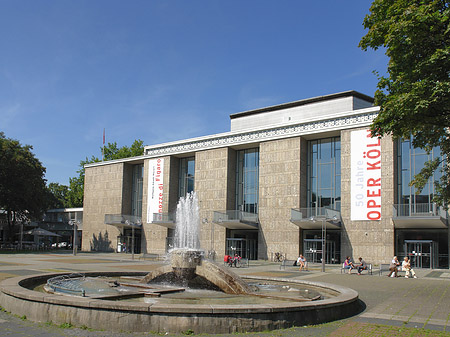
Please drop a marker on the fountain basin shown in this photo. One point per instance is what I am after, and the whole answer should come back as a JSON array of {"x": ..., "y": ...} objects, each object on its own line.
[{"x": 17, "y": 297}]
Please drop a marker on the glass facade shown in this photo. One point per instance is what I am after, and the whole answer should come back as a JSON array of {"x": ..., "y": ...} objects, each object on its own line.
[
  {"x": 410, "y": 161},
  {"x": 324, "y": 173},
  {"x": 186, "y": 176},
  {"x": 136, "y": 190},
  {"x": 247, "y": 180}
]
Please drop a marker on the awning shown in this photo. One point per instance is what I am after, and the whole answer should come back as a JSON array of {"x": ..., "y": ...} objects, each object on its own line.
[
  {"x": 431, "y": 222},
  {"x": 123, "y": 221},
  {"x": 236, "y": 219},
  {"x": 164, "y": 219},
  {"x": 316, "y": 218},
  {"x": 41, "y": 232},
  {"x": 419, "y": 216}
]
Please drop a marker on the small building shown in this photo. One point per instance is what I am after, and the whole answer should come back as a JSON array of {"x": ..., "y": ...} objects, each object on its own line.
[
  {"x": 294, "y": 178},
  {"x": 61, "y": 221}
]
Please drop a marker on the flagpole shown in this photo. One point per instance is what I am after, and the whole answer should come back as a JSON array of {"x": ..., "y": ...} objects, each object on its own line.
[{"x": 103, "y": 147}]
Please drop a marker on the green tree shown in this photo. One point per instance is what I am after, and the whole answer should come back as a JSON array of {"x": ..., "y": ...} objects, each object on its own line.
[
  {"x": 414, "y": 96},
  {"x": 57, "y": 195},
  {"x": 23, "y": 193},
  {"x": 110, "y": 152}
]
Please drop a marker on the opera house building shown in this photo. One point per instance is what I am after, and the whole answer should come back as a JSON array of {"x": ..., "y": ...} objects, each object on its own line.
[{"x": 292, "y": 179}]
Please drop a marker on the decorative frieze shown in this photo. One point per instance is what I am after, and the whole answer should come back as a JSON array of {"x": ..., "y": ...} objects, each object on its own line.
[{"x": 355, "y": 119}]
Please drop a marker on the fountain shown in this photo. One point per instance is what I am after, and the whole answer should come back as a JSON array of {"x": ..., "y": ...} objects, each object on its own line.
[
  {"x": 108, "y": 300},
  {"x": 188, "y": 267}
]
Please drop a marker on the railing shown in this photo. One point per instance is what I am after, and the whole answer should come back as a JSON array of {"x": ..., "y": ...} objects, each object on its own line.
[
  {"x": 313, "y": 213},
  {"x": 68, "y": 284},
  {"x": 163, "y": 217},
  {"x": 419, "y": 210},
  {"x": 235, "y": 216},
  {"x": 113, "y": 219}
]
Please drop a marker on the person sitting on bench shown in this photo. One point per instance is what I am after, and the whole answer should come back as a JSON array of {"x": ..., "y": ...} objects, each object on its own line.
[
  {"x": 348, "y": 264},
  {"x": 362, "y": 265}
]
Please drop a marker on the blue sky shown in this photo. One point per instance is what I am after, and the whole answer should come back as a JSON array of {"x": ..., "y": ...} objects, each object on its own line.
[{"x": 166, "y": 70}]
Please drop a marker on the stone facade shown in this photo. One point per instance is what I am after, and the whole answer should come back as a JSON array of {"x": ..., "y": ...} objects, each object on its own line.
[
  {"x": 212, "y": 188},
  {"x": 279, "y": 192},
  {"x": 103, "y": 194}
]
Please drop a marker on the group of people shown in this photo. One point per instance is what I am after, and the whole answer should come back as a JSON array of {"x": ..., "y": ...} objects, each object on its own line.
[
  {"x": 232, "y": 260},
  {"x": 405, "y": 266},
  {"x": 348, "y": 264}
]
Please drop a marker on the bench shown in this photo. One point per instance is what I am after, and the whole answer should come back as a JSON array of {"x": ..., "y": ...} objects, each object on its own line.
[
  {"x": 285, "y": 263},
  {"x": 369, "y": 269},
  {"x": 150, "y": 256},
  {"x": 384, "y": 267}
]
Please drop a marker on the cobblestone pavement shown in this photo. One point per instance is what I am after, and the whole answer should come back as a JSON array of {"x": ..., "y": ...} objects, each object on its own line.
[{"x": 392, "y": 307}]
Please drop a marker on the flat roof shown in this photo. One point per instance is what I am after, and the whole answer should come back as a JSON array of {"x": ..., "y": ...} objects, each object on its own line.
[{"x": 304, "y": 102}]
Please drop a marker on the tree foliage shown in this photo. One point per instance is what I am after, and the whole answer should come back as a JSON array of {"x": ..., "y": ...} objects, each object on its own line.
[
  {"x": 23, "y": 193},
  {"x": 57, "y": 195},
  {"x": 110, "y": 152},
  {"x": 414, "y": 97}
]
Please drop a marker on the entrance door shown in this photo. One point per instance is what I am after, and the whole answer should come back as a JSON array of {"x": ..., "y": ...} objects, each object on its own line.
[
  {"x": 245, "y": 248},
  {"x": 313, "y": 251},
  {"x": 422, "y": 253},
  {"x": 125, "y": 242}
]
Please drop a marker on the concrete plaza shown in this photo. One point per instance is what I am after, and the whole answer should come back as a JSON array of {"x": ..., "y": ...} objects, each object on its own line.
[{"x": 399, "y": 307}]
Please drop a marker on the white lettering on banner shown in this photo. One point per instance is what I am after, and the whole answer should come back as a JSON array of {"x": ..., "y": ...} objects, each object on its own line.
[
  {"x": 365, "y": 176},
  {"x": 155, "y": 188}
]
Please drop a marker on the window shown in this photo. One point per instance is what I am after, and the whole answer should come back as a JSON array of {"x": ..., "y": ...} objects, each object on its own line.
[
  {"x": 324, "y": 173},
  {"x": 247, "y": 180},
  {"x": 410, "y": 161},
  {"x": 136, "y": 190},
  {"x": 186, "y": 176}
]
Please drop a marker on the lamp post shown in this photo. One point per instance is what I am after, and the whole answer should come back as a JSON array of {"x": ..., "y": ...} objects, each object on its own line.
[
  {"x": 324, "y": 244},
  {"x": 211, "y": 253},
  {"x": 75, "y": 224}
]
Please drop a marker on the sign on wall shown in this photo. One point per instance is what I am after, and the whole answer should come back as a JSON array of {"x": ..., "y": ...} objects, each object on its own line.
[
  {"x": 155, "y": 188},
  {"x": 365, "y": 176}
]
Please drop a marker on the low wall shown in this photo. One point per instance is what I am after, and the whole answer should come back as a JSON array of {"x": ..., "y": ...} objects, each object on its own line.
[{"x": 17, "y": 298}]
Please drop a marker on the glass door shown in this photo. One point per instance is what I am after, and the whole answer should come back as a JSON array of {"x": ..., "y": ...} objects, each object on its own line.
[
  {"x": 245, "y": 248},
  {"x": 422, "y": 253}
]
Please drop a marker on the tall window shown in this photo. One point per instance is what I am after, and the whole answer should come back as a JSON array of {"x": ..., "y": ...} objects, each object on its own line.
[
  {"x": 410, "y": 161},
  {"x": 247, "y": 183},
  {"x": 186, "y": 176},
  {"x": 136, "y": 190},
  {"x": 324, "y": 173}
]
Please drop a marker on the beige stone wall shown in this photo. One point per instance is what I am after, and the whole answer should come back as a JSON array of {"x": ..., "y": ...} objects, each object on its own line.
[
  {"x": 103, "y": 190},
  {"x": 373, "y": 240},
  {"x": 213, "y": 190},
  {"x": 279, "y": 192}
]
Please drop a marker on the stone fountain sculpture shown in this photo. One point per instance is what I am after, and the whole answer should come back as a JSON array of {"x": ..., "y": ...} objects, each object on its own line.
[{"x": 188, "y": 267}]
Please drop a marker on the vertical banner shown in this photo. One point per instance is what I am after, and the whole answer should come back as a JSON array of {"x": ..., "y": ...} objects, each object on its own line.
[
  {"x": 155, "y": 188},
  {"x": 365, "y": 176}
]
